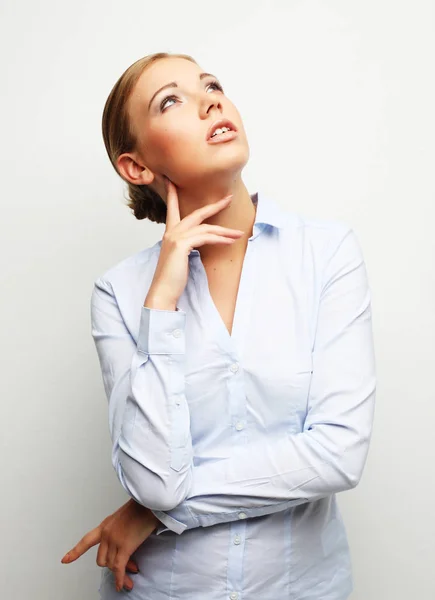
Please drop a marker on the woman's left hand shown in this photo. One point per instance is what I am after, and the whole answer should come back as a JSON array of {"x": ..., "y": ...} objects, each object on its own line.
[{"x": 119, "y": 535}]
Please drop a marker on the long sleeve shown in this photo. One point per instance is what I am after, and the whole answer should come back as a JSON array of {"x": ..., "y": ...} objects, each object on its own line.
[
  {"x": 149, "y": 417},
  {"x": 329, "y": 455}
]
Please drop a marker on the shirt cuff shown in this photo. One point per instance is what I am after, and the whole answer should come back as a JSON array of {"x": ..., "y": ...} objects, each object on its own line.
[
  {"x": 169, "y": 523},
  {"x": 162, "y": 331}
]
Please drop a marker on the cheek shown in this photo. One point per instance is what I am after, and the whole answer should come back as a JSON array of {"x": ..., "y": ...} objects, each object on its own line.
[
  {"x": 175, "y": 143},
  {"x": 162, "y": 141},
  {"x": 177, "y": 152}
]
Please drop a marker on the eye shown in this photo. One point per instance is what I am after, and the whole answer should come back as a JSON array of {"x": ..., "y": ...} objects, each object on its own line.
[
  {"x": 166, "y": 99},
  {"x": 217, "y": 85},
  {"x": 163, "y": 106}
]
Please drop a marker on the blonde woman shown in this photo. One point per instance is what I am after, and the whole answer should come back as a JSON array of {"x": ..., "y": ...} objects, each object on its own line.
[{"x": 237, "y": 358}]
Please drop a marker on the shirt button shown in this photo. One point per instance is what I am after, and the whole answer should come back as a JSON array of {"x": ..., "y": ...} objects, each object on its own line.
[
  {"x": 234, "y": 367},
  {"x": 239, "y": 426},
  {"x": 237, "y": 539},
  {"x": 234, "y": 595},
  {"x": 242, "y": 515},
  {"x": 176, "y": 333}
]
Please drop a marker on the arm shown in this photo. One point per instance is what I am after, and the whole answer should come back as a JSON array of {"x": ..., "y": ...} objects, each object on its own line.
[
  {"x": 149, "y": 417},
  {"x": 329, "y": 455}
]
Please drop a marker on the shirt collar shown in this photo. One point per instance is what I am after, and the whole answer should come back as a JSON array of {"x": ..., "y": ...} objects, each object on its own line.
[{"x": 268, "y": 211}]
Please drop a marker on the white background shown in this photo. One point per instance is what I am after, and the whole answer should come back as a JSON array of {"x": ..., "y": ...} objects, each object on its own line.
[{"x": 338, "y": 103}]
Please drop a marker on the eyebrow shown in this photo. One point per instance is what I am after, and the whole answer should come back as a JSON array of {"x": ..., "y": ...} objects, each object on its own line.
[{"x": 174, "y": 84}]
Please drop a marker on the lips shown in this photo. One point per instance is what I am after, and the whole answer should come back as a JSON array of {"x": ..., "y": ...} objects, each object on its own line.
[{"x": 218, "y": 124}]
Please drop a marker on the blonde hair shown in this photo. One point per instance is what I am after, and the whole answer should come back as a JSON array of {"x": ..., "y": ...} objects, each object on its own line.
[{"x": 118, "y": 136}]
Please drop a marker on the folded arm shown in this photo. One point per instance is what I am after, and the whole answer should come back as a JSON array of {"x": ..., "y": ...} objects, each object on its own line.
[{"x": 149, "y": 417}]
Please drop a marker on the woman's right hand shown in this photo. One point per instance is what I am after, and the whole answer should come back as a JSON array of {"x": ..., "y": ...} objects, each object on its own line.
[{"x": 180, "y": 237}]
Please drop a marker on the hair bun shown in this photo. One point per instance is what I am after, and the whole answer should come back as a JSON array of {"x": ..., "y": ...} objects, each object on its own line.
[{"x": 146, "y": 203}]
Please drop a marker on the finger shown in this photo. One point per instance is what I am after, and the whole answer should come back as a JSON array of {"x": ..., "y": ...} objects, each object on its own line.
[
  {"x": 216, "y": 229},
  {"x": 198, "y": 215},
  {"x": 112, "y": 550},
  {"x": 172, "y": 208},
  {"x": 88, "y": 540},
  {"x": 102, "y": 554},
  {"x": 128, "y": 582},
  {"x": 119, "y": 564},
  {"x": 132, "y": 566},
  {"x": 210, "y": 238}
]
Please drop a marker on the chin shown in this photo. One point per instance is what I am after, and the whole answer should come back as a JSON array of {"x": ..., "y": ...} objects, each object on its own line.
[
  {"x": 223, "y": 165},
  {"x": 234, "y": 159}
]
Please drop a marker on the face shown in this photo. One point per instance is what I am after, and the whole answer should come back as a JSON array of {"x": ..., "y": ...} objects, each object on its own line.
[{"x": 171, "y": 127}]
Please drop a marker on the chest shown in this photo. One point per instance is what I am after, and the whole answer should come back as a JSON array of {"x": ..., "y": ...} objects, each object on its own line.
[
  {"x": 248, "y": 364},
  {"x": 223, "y": 284}
]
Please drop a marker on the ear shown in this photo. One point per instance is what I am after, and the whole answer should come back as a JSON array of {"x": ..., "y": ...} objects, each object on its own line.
[{"x": 131, "y": 168}]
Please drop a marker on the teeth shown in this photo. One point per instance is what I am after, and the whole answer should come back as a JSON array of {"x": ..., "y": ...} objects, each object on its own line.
[{"x": 221, "y": 130}]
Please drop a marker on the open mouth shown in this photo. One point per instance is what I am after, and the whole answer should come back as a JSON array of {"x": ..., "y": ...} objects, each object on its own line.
[
  {"x": 222, "y": 129},
  {"x": 222, "y": 137}
]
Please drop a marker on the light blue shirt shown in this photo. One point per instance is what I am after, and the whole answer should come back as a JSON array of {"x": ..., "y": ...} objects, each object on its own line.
[{"x": 239, "y": 443}]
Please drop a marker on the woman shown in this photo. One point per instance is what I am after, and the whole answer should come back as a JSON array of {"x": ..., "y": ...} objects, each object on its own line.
[{"x": 237, "y": 358}]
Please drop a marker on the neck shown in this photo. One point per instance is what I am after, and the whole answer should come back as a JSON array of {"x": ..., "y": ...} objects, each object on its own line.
[{"x": 240, "y": 214}]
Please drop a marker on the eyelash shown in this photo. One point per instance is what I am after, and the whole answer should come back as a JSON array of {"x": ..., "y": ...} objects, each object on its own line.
[{"x": 172, "y": 97}]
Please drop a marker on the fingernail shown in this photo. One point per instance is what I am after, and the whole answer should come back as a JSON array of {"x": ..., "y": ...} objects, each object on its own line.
[
  {"x": 66, "y": 557},
  {"x": 127, "y": 589}
]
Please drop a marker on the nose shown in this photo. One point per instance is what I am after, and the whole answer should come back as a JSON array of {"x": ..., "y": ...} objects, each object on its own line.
[{"x": 211, "y": 102}]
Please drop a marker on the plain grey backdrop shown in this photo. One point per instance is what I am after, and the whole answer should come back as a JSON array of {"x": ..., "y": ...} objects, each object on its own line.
[{"x": 338, "y": 102}]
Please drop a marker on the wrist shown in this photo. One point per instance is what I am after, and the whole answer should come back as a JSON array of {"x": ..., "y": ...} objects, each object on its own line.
[
  {"x": 154, "y": 518},
  {"x": 144, "y": 510},
  {"x": 160, "y": 298},
  {"x": 159, "y": 303}
]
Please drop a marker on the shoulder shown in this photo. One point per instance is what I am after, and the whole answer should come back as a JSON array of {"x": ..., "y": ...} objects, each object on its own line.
[
  {"x": 130, "y": 269},
  {"x": 315, "y": 227},
  {"x": 319, "y": 247},
  {"x": 322, "y": 234},
  {"x": 139, "y": 260},
  {"x": 121, "y": 289}
]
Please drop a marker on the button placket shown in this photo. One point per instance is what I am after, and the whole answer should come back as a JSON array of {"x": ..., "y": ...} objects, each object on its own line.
[
  {"x": 235, "y": 559},
  {"x": 237, "y": 398}
]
